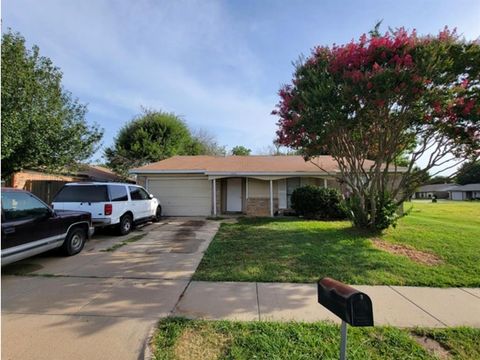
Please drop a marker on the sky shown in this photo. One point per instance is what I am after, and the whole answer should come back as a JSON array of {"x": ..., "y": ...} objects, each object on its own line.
[{"x": 217, "y": 64}]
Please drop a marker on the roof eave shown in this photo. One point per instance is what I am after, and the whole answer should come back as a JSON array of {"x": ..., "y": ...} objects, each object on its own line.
[
  {"x": 140, "y": 171},
  {"x": 268, "y": 173},
  {"x": 238, "y": 173}
]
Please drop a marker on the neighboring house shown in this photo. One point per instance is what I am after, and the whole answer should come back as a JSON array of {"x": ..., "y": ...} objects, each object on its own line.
[
  {"x": 465, "y": 192},
  {"x": 427, "y": 191},
  {"x": 45, "y": 185},
  {"x": 251, "y": 185}
]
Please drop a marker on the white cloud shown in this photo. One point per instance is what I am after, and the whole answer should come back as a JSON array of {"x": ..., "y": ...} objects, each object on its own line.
[{"x": 184, "y": 57}]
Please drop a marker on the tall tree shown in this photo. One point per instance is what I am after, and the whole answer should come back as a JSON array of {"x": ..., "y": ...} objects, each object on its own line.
[
  {"x": 469, "y": 173},
  {"x": 390, "y": 97},
  {"x": 151, "y": 136},
  {"x": 240, "y": 150},
  {"x": 42, "y": 125},
  {"x": 439, "y": 179},
  {"x": 207, "y": 144},
  {"x": 275, "y": 149}
]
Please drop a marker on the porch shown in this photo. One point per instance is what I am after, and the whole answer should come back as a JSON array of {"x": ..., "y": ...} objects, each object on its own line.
[{"x": 259, "y": 196}]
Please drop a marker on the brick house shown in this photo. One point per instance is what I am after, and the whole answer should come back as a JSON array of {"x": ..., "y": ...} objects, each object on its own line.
[
  {"x": 45, "y": 185},
  {"x": 250, "y": 185}
]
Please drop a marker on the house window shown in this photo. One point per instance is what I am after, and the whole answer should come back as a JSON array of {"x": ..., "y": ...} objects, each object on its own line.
[{"x": 292, "y": 184}]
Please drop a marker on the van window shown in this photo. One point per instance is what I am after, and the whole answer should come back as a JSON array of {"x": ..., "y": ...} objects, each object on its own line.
[
  {"x": 137, "y": 193},
  {"x": 19, "y": 206},
  {"x": 82, "y": 193},
  {"x": 118, "y": 193}
]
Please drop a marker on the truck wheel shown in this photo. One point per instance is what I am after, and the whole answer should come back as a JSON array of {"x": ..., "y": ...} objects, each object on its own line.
[
  {"x": 158, "y": 214},
  {"x": 74, "y": 242},
  {"x": 126, "y": 224}
]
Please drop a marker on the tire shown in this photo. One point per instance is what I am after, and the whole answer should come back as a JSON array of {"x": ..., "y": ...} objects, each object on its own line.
[
  {"x": 158, "y": 214},
  {"x": 74, "y": 242},
  {"x": 126, "y": 224}
]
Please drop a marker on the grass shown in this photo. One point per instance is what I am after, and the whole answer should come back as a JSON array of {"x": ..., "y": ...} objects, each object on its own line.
[
  {"x": 178, "y": 338},
  {"x": 292, "y": 250},
  {"x": 123, "y": 243}
]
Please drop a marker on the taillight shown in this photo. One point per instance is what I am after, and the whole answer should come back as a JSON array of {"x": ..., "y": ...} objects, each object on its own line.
[{"x": 108, "y": 209}]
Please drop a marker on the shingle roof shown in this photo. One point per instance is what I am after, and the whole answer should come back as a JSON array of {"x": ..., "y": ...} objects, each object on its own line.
[
  {"x": 435, "y": 187},
  {"x": 97, "y": 172},
  {"x": 468, "y": 187},
  {"x": 243, "y": 164}
]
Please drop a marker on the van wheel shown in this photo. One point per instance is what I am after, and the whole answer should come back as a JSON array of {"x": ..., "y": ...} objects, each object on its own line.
[
  {"x": 158, "y": 214},
  {"x": 126, "y": 224},
  {"x": 74, "y": 242}
]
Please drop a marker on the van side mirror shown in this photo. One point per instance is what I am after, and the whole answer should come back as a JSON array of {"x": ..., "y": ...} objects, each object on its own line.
[
  {"x": 51, "y": 212},
  {"x": 151, "y": 196}
]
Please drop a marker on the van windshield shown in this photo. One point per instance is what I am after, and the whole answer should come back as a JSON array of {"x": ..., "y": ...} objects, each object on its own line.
[{"x": 82, "y": 193}]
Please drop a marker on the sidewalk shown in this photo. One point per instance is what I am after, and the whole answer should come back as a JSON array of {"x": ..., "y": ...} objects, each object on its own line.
[{"x": 401, "y": 306}]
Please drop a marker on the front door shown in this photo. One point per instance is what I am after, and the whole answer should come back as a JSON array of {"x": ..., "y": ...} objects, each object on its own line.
[{"x": 234, "y": 195}]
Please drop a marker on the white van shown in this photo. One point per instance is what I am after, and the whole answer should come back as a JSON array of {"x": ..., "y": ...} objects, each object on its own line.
[{"x": 111, "y": 204}]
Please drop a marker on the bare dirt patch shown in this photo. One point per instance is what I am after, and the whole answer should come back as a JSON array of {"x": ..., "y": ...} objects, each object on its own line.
[
  {"x": 413, "y": 254},
  {"x": 432, "y": 346},
  {"x": 200, "y": 344}
]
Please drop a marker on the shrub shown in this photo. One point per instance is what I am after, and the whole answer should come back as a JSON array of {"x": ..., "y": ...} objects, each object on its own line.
[
  {"x": 386, "y": 214},
  {"x": 314, "y": 202}
]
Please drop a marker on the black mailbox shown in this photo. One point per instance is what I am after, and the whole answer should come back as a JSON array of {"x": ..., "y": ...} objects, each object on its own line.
[{"x": 349, "y": 304}]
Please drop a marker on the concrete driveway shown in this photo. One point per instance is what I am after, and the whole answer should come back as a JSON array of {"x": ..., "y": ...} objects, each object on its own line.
[{"x": 102, "y": 303}]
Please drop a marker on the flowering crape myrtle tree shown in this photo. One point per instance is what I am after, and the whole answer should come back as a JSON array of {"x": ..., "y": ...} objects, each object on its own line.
[{"x": 385, "y": 98}]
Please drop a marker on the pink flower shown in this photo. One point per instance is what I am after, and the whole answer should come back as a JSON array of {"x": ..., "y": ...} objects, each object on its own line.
[
  {"x": 417, "y": 78},
  {"x": 437, "y": 107},
  {"x": 407, "y": 60},
  {"x": 446, "y": 34},
  {"x": 468, "y": 107}
]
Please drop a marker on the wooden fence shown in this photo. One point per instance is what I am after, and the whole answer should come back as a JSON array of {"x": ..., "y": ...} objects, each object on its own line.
[{"x": 44, "y": 189}]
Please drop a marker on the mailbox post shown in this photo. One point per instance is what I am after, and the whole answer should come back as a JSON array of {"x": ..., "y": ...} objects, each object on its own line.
[{"x": 349, "y": 304}]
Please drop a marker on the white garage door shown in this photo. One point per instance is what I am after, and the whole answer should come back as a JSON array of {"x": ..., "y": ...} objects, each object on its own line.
[
  {"x": 182, "y": 197},
  {"x": 457, "y": 195}
]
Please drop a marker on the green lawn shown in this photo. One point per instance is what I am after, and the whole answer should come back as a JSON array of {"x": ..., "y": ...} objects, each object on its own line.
[
  {"x": 179, "y": 339},
  {"x": 291, "y": 250}
]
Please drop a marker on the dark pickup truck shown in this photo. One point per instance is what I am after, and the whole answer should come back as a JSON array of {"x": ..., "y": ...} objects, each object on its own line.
[{"x": 30, "y": 227}]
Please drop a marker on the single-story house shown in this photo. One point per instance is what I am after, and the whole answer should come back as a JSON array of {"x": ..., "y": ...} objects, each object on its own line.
[
  {"x": 251, "y": 185},
  {"x": 465, "y": 192},
  {"x": 45, "y": 184},
  {"x": 428, "y": 191}
]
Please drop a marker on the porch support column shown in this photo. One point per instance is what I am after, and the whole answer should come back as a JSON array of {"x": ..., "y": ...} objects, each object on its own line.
[
  {"x": 271, "y": 198},
  {"x": 214, "y": 187},
  {"x": 325, "y": 183}
]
